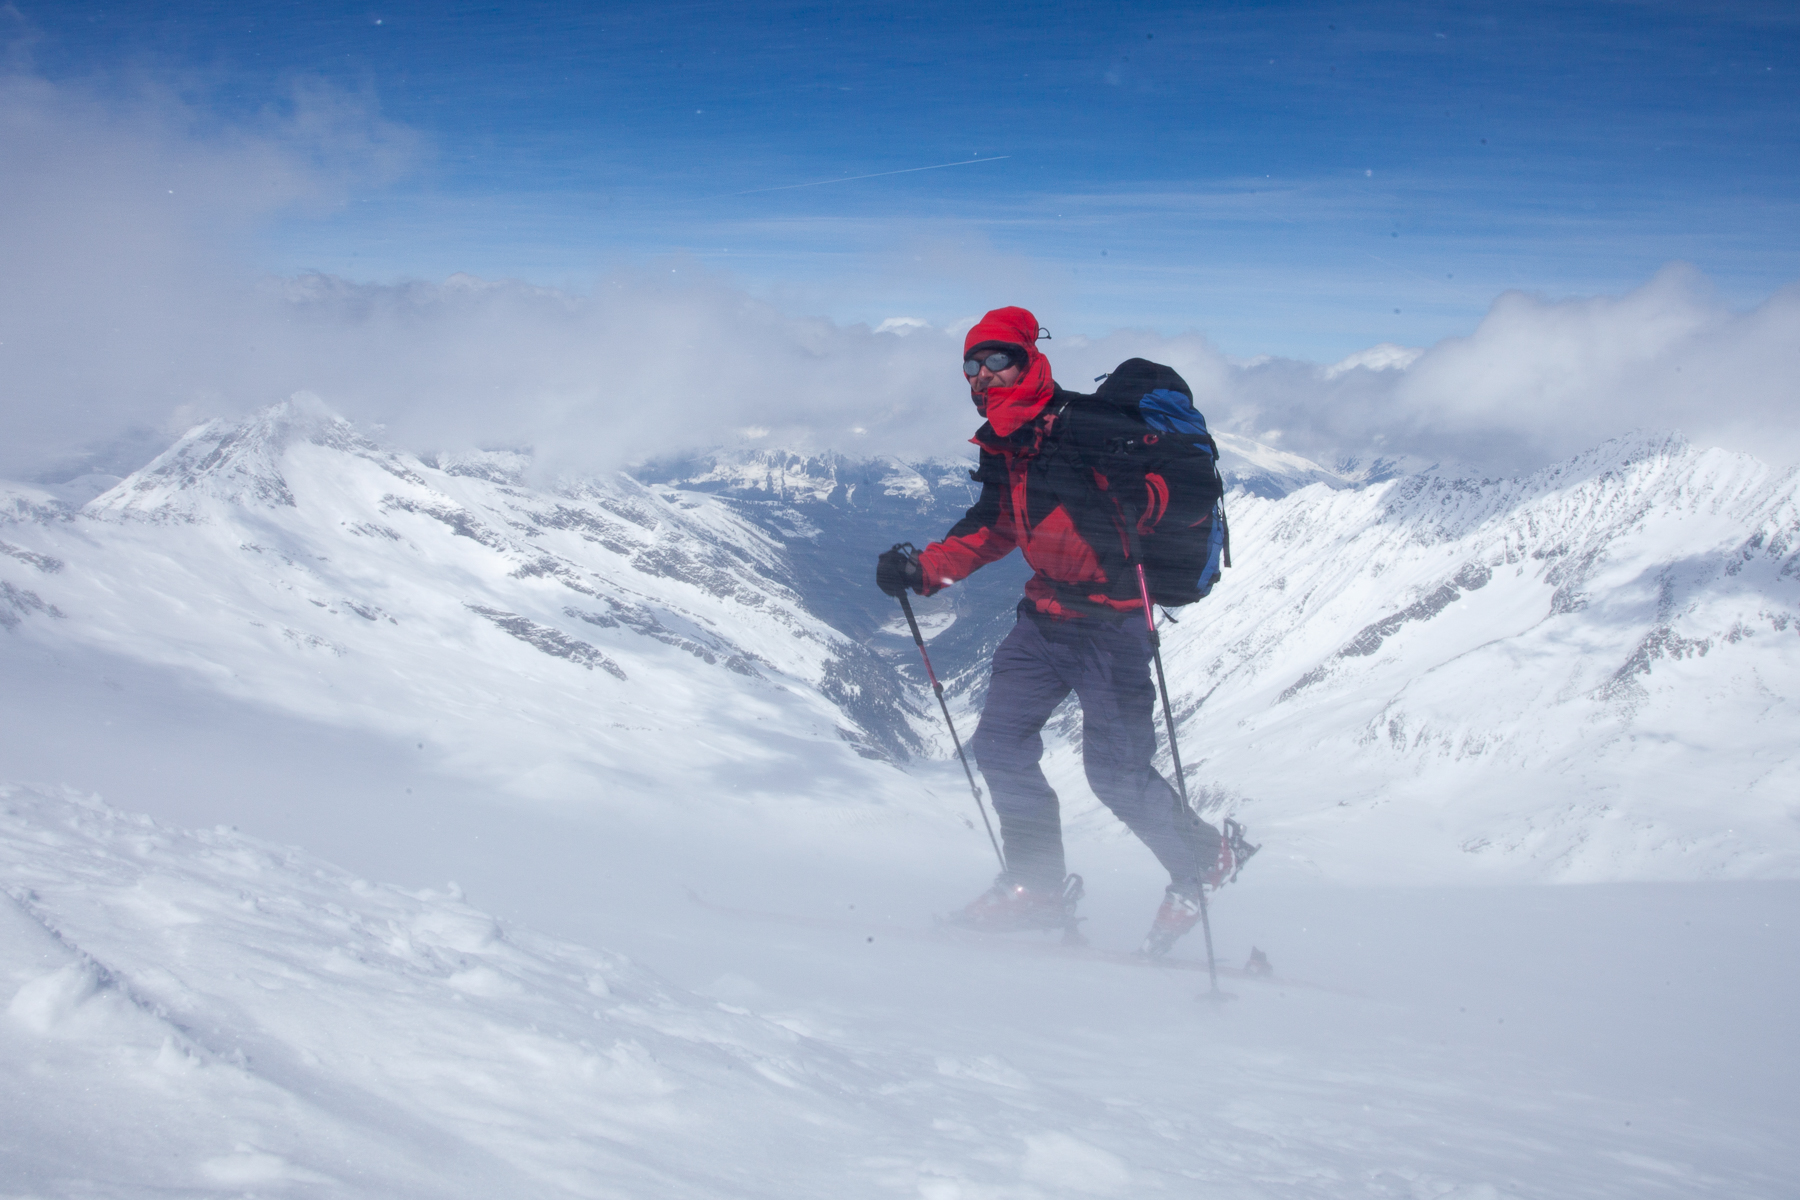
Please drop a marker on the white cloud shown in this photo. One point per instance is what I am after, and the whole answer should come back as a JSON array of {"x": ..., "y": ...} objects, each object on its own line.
[
  {"x": 1385, "y": 356},
  {"x": 1538, "y": 380},
  {"x": 902, "y": 325},
  {"x": 1554, "y": 377},
  {"x": 125, "y": 307},
  {"x": 122, "y": 230}
]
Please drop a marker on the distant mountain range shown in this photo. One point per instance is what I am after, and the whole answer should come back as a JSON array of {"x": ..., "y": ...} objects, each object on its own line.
[{"x": 1586, "y": 673}]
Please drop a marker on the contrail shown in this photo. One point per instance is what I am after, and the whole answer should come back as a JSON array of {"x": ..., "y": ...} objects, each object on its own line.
[{"x": 788, "y": 187}]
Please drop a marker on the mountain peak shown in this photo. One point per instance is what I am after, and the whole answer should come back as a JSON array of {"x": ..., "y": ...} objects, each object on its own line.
[{"x": 229, "y": 462}]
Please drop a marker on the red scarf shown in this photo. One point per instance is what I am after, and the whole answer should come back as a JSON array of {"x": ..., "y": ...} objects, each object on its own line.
[{"x": 1012, "y": 408}]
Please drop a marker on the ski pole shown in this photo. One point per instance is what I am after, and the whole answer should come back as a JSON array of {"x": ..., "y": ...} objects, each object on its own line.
[
  {"x": 919, "y": 641},
  {"x": 1187, "y": 808}
]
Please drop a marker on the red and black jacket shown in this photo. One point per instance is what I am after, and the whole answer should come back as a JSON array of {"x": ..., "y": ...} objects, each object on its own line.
[{"x": 1046, "y": 490}]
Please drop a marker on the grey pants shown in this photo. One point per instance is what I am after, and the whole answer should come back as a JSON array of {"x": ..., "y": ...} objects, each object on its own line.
[{"x": 1106, "y": 663}]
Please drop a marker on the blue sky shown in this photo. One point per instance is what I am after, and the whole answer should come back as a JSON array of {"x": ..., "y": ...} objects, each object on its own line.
[{"x": 1280, "y": 178}]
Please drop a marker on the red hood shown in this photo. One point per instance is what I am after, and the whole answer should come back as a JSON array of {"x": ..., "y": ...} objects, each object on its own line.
[{"x": 1011, "y": 408}]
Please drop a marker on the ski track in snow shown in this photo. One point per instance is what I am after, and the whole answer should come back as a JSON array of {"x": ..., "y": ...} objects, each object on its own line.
[{"x": 197, "y": 1013}]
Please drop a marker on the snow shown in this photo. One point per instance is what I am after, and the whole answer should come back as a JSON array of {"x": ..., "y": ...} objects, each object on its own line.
[
  {"x": 902, "y": 326},
  {"x": 313, "y": 1028},
  {"x": 1427, "y": 696},
  {"x": 294, "y": 564},
  {"x": 1616, "y": 639},
  {"x": 1266, "y": 471},
  {"x": 197, "y": 1012}
]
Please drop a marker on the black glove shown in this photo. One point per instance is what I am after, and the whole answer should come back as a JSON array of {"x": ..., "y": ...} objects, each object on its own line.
[{"x": 897, "y": 570}]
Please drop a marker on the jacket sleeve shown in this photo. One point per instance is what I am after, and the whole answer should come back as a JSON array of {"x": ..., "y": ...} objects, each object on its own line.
[{"x": 984, "y": 535}]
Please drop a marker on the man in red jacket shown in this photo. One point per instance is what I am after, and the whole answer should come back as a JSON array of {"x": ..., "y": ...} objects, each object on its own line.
[{"x": 1080, "y": 628}]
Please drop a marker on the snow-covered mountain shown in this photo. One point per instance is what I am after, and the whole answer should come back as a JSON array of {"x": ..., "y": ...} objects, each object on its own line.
[
  {"x": 1593, "y": 669},
  {"x": 834, "y": 513},
  {"x": 559, "y": 643},
  {"x": 1586, "y": 673},
  {"x": 1590, "y": 672}
]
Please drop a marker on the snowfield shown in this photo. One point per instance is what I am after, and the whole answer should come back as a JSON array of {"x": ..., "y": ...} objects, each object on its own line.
[
  {"x": 203, "y": 1013},
  {"x": 592, "y": 702},
  {"x": 259, "y": 1020}
]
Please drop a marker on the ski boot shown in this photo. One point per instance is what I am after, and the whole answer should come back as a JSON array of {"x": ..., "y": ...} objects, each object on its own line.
[
  {"x": 1010, "y": 907},
  {"x": 1180, "y": 912},
  {"x": 1234, "y": 851}
]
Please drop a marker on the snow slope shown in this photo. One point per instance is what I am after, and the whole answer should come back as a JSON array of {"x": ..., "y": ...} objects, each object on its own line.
[
  {"x": 1589, "y": 673},
  {"x": 259, "y": 1022},
  {"x": 583, "y": 700},
  {"x": 557, "y": 644},
  {"x": 202, "y": 1013}
]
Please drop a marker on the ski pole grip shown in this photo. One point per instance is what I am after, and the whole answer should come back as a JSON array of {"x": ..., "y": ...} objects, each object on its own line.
[{"x": 906, "y": 606}]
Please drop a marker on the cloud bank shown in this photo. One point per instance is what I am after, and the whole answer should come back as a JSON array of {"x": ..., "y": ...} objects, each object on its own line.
[
  {"x": 1538, "y": 380},
  {"x": 127, "y": 313}
]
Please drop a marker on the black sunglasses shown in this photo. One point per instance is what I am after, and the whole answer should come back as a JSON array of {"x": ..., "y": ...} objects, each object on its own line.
[{"x": 996, "y": 362}]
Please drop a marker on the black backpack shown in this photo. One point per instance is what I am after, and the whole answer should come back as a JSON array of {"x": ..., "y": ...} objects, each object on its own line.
[{"x": 1145, "y": 423}]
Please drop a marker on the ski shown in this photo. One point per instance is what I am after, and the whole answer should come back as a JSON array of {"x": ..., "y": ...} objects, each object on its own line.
[{"x": 1257, "y": 969}]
